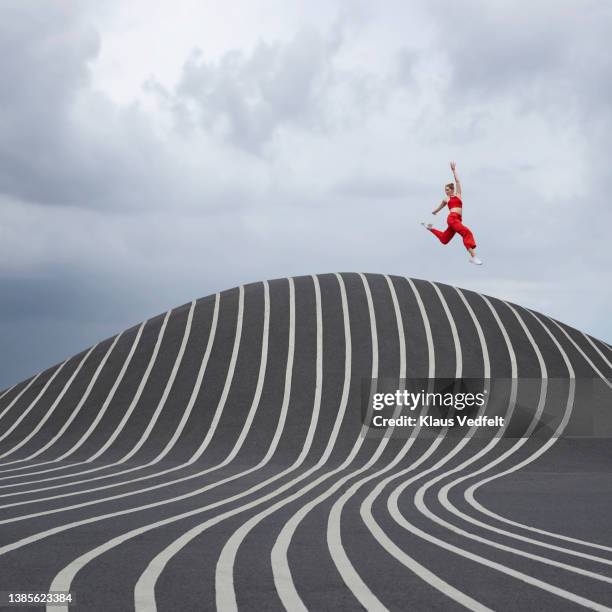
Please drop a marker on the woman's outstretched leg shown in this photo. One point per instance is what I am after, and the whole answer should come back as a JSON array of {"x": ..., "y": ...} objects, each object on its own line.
[
  {"x": 444, "y": 237},
  {"x": 464, "y": 232},
  {"x": 468, "y": 238}
]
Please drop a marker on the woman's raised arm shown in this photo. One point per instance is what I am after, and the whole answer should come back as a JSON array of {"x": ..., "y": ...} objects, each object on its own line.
[{"x": 453, "y": 166}]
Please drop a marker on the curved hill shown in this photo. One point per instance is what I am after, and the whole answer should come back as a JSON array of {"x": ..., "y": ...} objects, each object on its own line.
[{"x": 222, "y": 456}]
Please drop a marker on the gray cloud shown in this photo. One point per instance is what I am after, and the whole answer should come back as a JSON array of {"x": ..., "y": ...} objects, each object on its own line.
[
  {"x": 62, "y": 142},
  {"x": 44, "y": 52},
  {"x": 553, "y": 55},
  {"x": 246, "y": 98},
  {"x": 364, "y": 185}
]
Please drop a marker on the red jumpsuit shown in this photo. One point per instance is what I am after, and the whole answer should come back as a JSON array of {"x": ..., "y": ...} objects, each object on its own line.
[{"x": 455, "y": 226}]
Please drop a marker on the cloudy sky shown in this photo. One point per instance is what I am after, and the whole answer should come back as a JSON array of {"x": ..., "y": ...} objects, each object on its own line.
[{"x": 152, "y": 153}]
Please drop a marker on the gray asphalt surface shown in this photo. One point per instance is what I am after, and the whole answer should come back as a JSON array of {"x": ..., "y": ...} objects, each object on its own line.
[{"x": 215, "y": 457}]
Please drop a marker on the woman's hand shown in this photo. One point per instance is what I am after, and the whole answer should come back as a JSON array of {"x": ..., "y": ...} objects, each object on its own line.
[
  {"x": 453, "y": 166},
  {"x": 434, "y": 212}
]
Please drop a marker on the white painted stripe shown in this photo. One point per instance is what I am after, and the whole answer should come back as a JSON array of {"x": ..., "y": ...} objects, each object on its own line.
[
  {"x": 7, "y": 391},
  {"x": 198, "y": 383},
  {"x": 115, "y": 433},
  {"x": 18, "y": 396},
  {"x": 170, "y": 444},
  {"x": 608, "y": 363},
  {"x": 80, "y": 404},
  {"x": 586, "y": 357},
  {"x": 49, "y": 412},
  {"x": 169, "y": 384},
  {"x": 228, "y": 382},
  {"x": 89, "y": 431},
  {"x": 143, "y": 383},
  {"x": 33, "y": 403},
  {"x": 109, "y": 397},
  {"x": 121, "y": 425}
]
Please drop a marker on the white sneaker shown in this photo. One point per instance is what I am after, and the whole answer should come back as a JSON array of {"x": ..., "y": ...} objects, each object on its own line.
[
  {"x": 426, "y": 225},
  {"x": 475, "y": 261}
]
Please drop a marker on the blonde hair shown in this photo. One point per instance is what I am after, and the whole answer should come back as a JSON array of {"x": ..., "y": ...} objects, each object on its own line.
[{"x": 451, "y": 186}]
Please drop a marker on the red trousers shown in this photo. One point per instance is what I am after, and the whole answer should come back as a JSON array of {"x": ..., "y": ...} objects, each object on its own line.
[{"x": 455, "y": 227}]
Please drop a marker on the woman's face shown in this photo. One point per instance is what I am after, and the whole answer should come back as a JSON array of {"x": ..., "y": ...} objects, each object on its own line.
[{"x": 449, "y": 191}]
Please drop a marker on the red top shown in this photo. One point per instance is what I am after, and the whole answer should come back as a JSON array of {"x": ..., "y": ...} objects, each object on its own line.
[{"x": 455, "y": 202}]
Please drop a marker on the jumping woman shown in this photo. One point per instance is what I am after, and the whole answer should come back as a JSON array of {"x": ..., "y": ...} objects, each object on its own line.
[{"x": 455, "y": 226}]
